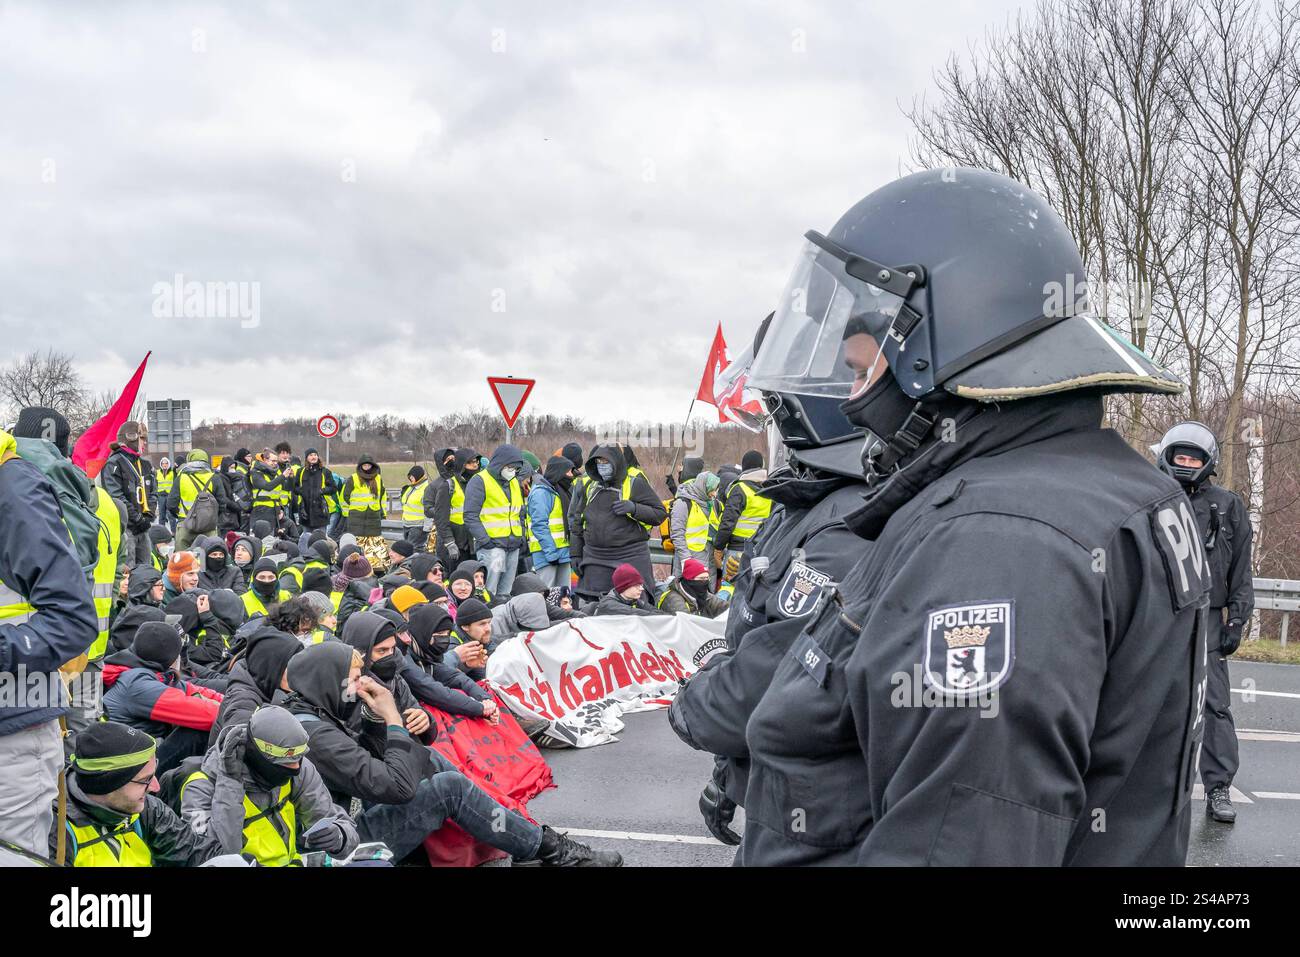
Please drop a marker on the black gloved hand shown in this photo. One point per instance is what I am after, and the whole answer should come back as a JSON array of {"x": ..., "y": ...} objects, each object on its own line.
[
  {"x": 326, "y": 836},
  {"x": 1230, "y": 638},
  {"x": 718, "y": 810},
  {"x": 622, "y": 507},
  {"x": 453, "y": 553}
]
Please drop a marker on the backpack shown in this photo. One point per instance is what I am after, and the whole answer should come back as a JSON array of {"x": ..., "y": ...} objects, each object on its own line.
[
  {"x": 76, "y": 499},
  {"x": 202, "y": 515}
]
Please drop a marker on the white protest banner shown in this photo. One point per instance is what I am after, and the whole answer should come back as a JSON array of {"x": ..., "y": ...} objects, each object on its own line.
[{"x": 578, "y": 676}]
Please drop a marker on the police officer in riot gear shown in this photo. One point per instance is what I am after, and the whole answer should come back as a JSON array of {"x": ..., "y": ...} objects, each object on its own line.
[
  {"x": 1013, "y": 672},
  {"x": 803, "y": 546},
  {"x": 1189, "y": 452}
]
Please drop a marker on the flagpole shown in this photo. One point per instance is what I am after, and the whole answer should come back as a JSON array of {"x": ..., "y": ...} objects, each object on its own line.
[{"x": 685, "y": 422}]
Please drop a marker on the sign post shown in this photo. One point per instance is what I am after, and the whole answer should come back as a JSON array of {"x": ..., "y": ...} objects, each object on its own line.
[
  {"x": 169, "y": 424},
  {"x": 327, "y": 426},
  {"x": 511, "y": 394}
]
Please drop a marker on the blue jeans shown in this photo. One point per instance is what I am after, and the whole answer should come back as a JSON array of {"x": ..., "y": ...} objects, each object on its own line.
[
  {"x": 502, "y": 563},
  {"x": 449, "y": 795},
  {"x": 553, "y": 576},
  {"x": 331, "y": 530}
]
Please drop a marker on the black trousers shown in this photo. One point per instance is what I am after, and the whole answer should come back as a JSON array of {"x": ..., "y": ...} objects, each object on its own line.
[{"x": 1220, "y": 757}]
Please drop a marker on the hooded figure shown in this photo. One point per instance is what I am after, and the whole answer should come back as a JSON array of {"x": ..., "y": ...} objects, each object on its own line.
[
  {"x": 609, "y": 522},
  {"x": 257, "y": 679},
  {"x": 463, "y": 467},
  {"x": 244, "y": 554},
  {"x": 140, "y": 585},
  {"x": 128, "y": 621},
  {"x": 465, "y": 571},
  {"x": 507, "y": 534},
  {"x": 688, "y": 522},
  {"x": 272, "y": 780},
  {"x": 363, "y": 500},
  {"x": 520, "y": 614},
  {"x": 216, "y": 570},
  {"x": 363, "y": 631}
]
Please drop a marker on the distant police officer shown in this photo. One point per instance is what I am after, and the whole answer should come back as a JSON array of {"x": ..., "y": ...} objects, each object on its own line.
[
  {"x": 1189, "y": 452},
  {"x": 1013, "y": 673},
  {"x": 802, "y": 547}
]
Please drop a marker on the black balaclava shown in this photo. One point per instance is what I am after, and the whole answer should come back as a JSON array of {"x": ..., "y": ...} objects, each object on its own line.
[
  {"x": 426, "y": 620},
  {"x": 269, "y": 651},
  {"x": 267, "y": 591},
  {"x": 698, "y": 590},
  {"x": 265, "y": 772},
  {"x": 216, "y": 564}
]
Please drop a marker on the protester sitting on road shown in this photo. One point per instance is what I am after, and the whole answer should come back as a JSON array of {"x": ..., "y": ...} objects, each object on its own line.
[
  {"x": 448, "y": 688},
  {"x": 113, "y": 820},
  {"x": 144, "y": 688},
  {"x": 182, "y": 575},
  {"x": 627, "y": 597},
  {"x": 471, "y": 636},
  {"x": 218, "y": 572},
  {"x": 264, "y": 589},
  {"x": 690, "y": 592},
  {"x": 520, "y": 614},
  {"x": 209, "y": 620},
  {"x": 257, "y": 677},
  {"x": 405, "y": 598},
  {"x": 375, "y": 638},
  {"x": 144, "y": 586},
  {"x": 161, "y": 545},
  {"x": 409, "y": 790},
  {"x": 326, "y": 619},
  {"x": 532, "y": 584},
  {"x": 258, "y": 793}
]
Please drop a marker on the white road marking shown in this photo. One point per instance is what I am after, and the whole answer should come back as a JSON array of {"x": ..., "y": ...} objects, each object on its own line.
[
  {"x": 1266, "y": 694},
  {"x": 638, "y": 836},
  {"x": 1277, "y": 795},
  {"x": 1256, "y": 734},
  {"x": 1238, "y": 797}
]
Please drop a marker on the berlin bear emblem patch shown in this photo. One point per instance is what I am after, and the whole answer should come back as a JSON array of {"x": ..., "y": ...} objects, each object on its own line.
[
  {"x": 969, "y": 649},
  {"x": 799, "y": 592}
]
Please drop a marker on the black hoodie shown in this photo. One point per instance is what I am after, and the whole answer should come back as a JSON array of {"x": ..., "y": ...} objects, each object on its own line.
[
  {"x": 381, "y": 764},
  {"x": 139, "y": 583},
  {"x": 592, "y": 520},
  {"x": 363, "y": 631},
  {"x": 226, "y": 576},
  {"x": 255, "y": 678}
]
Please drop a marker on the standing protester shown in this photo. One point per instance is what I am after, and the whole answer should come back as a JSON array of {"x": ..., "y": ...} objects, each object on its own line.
[
  {"x": 288, "y": 470},
  {"x": 163, "y": 478},
  {"x": 47, "y": 618},
  {"x": 128, "y": 477},
  {"x": 1018, "y": 547},
  {"x": 494, "y": 506},
  {"x": 197, "y": 499},
  {"x": 548, "y": 535},
  {"x": 315, "y": 493},
  {"x": 268, "y": 490},
  {"x": 1189, "y": 453},
  {"x": 743, "y": 514},
  {"x": 437, "y": 508},
  {"x": 416, "y": 526},
  {"x": 242, "y": 485},
  {"x": 464, "y": 467},
  {"x": 610, "y": 522},
  {"x": 231, "y": 513},
  {"x": 364, "y": 508},
  {"x": 688, "y": 519}
]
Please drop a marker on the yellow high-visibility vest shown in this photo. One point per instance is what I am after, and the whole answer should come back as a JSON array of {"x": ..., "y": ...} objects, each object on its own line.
[
  {"x": 361, "y": 499},
  {"x": 413, "y": 503},
  {"x": 697, "y": 528},
  {"x": 163, "y": 481},
  {"x": 500, "y": 515},
  {"x": 110, "y": 542},
  {"x": 555, "y": 524},
  {"x": 457, "y": 502},
  {"x": 91, "y": 847},
  {"x": 191, "y": 483},
  {"x": 261, "y": 837},
  {"x": 757, "y": 509}
]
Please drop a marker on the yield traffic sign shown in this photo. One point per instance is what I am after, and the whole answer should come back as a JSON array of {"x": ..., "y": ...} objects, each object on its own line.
[{"x": 511, "y": 394}]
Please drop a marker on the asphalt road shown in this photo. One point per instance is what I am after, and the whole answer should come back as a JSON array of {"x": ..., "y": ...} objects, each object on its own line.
[{"x": 638, "y": 796}]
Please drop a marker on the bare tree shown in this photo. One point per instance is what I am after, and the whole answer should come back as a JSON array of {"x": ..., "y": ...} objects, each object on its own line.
[{"x": 44, "y": 379}]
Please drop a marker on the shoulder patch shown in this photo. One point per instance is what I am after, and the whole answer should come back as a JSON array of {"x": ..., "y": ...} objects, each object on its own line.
[
  {"x": 969, "y": 649},
  {"x": 800, "y": 590},
  {"x": 1178, "y": 540}
]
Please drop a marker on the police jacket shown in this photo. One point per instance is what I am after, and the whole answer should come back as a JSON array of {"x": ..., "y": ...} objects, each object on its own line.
[
  {"x": 1225, "y": 529},
  {"x": 1012, "y": 674}
]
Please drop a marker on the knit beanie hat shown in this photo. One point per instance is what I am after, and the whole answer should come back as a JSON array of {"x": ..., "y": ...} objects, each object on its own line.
[
  {"x": 471, "y": 610},
  {"x": 405, "y": 597},
  {"x": 624, "y": 577},
  {"x": 178, "y": 565},
  {"x": 109, "y": 754}
]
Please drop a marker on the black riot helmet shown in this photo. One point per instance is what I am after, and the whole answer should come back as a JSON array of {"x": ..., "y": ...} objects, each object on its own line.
[
  {"x": 1188, "y": 438},
  {"x": 967, "y": 284},
  {"x": 809, "y": 428}
]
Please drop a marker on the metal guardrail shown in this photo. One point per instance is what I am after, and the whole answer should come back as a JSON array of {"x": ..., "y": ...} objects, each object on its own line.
[{"x": 1278, "y": 594}]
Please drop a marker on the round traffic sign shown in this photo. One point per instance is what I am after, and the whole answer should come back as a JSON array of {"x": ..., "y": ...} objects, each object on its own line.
[{"x": 327, "y": 426}]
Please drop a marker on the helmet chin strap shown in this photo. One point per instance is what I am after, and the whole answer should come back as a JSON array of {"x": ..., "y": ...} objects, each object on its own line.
[{"x": 896, "y": 425}]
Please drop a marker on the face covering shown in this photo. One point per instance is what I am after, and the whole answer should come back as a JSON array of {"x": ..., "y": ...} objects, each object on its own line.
[
  {"x": 346, "y": 709},
  {"x": 698, "y": 590},
  {"x": 385, "y": 669},
  {"x": 266, "y": 772},
  {"x": 245, "y": 561},
  {"x": 165, "y": 549},
  {"x": 265, "y": 589},
  {"x": 509, "y": 472},
  {"x": 605, "y": 471},
  {"x": 882, "y": 410},
  {"x": 215, "y": 563}
]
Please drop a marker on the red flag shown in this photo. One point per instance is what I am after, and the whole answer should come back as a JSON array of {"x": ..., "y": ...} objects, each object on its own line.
[
  {"x": 735, "y": 399},
  {"x": 92, "y": 449},
  {"x": 717, "y": 361}
]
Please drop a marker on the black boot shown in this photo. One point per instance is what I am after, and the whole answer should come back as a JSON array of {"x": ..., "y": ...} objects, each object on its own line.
[
  {"x": 1219, "y": 806},
  {"x": 560, "y": 850}
]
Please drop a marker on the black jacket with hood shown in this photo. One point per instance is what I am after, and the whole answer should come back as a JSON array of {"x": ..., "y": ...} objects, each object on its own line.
[
  {"x": 475, "y": 493},
  {"x": 315, "y": 483},
  {"x": 226, "y": 576},
  {"x": 592, "y": 520},
  {"x": 380, "y": 764},
  {"x": 437, "y": 498},
  {"x": 255, "y": 678},
  {"x": 365, "y": 630}
]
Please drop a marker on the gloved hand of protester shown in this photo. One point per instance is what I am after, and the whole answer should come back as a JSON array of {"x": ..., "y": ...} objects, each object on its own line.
[
  {"x": 1230, "y": 637},
  {"x": 718, "y": 811},
  {"x": 732, "y": 568},
  {"x": 232, "y": 751},
  {"x": 622, "y": 507},
  {"x": 453, "y": 553},
  {"x": 325, "y": 836}
]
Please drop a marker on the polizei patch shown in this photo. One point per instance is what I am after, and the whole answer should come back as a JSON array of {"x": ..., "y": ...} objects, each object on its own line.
[
  {"x": 799, "y": 592},
  {"x": 969, "y": 649}
]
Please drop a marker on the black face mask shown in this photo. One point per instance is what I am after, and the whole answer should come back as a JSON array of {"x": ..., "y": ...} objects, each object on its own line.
[
  {"x": 265, "y": 772},
  {"x": 698, "y": 590},
  {"x": 884, "y": 409},
  {"x": 347, "y": 708},
  {"x": 385, "y": 669},
  {"x": 265, "y": 589},
  {"x": 215, "y": 564}
]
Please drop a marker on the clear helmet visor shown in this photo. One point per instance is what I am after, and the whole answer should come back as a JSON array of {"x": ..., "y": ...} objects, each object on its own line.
[
  {"x": 732, "y": 395},
  {"x": 825, "y": 335}
]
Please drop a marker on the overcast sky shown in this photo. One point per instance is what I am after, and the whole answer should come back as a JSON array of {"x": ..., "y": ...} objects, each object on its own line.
[{"x": 576, "y": 192}]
